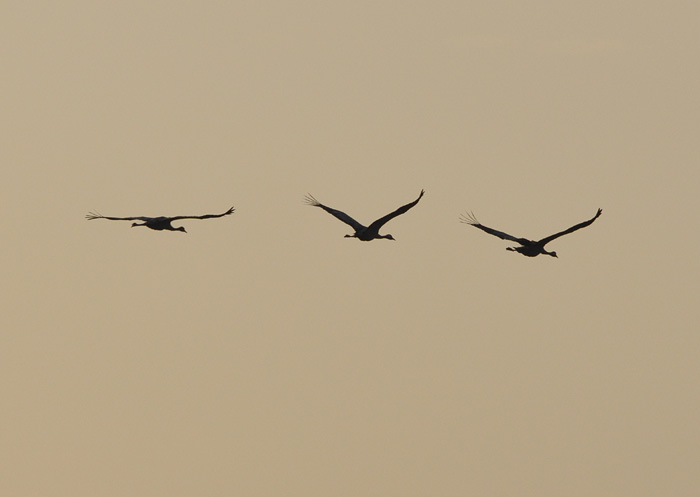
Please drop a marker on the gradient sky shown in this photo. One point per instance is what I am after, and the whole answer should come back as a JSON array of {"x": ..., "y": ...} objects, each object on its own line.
[{"x": 263, "y": 354}]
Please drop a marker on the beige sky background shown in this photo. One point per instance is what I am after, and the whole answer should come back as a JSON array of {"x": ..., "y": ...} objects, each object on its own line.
[{"x": 263, "y": 354}]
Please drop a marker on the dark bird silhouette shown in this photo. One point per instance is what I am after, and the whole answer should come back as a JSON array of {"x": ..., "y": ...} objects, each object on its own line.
[
  {"x": 530, "y": 248},
  {"x": 157, "y": 223},
  {"x": 364, "y": 233}
]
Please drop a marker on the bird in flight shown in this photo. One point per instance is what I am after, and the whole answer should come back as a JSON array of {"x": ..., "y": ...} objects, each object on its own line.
[
  {"x": 364, "y": 233},
  {"x": 157, "y": 223},
  {"x": 530, "y": 248}
]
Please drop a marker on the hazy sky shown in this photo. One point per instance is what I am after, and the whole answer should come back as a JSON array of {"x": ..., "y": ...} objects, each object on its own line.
[{"x": 263, "y": 354}]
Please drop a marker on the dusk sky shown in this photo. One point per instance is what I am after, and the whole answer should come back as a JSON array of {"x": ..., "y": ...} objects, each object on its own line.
[{"x": 265, "y": 355}]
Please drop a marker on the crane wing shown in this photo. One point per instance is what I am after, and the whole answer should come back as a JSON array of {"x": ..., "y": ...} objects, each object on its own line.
[
  {"x": 205, "y": 216},
  {"x": 469, "y": 218},
  {"x": 309, "y": 199},
  {"x": 383, "y": 220},
  {"x": 545, "y": 241},
  {"x": 97, "y": 215}
]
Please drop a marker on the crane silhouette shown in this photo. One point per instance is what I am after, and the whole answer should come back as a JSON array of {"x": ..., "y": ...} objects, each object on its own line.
[
  {"x": 157, "y": 223},
  {"x": 530, "y": 248},
  {"x": 364, "y": 233}
]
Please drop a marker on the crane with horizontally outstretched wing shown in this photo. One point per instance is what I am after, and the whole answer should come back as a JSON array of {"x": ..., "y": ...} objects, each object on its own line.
[{"x": 157, "y": 223}]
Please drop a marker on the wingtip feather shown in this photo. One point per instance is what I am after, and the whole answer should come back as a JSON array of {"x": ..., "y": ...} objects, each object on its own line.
[
  {"x": 310, "y": 200},
  {"x": 468, "y": 218}
]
